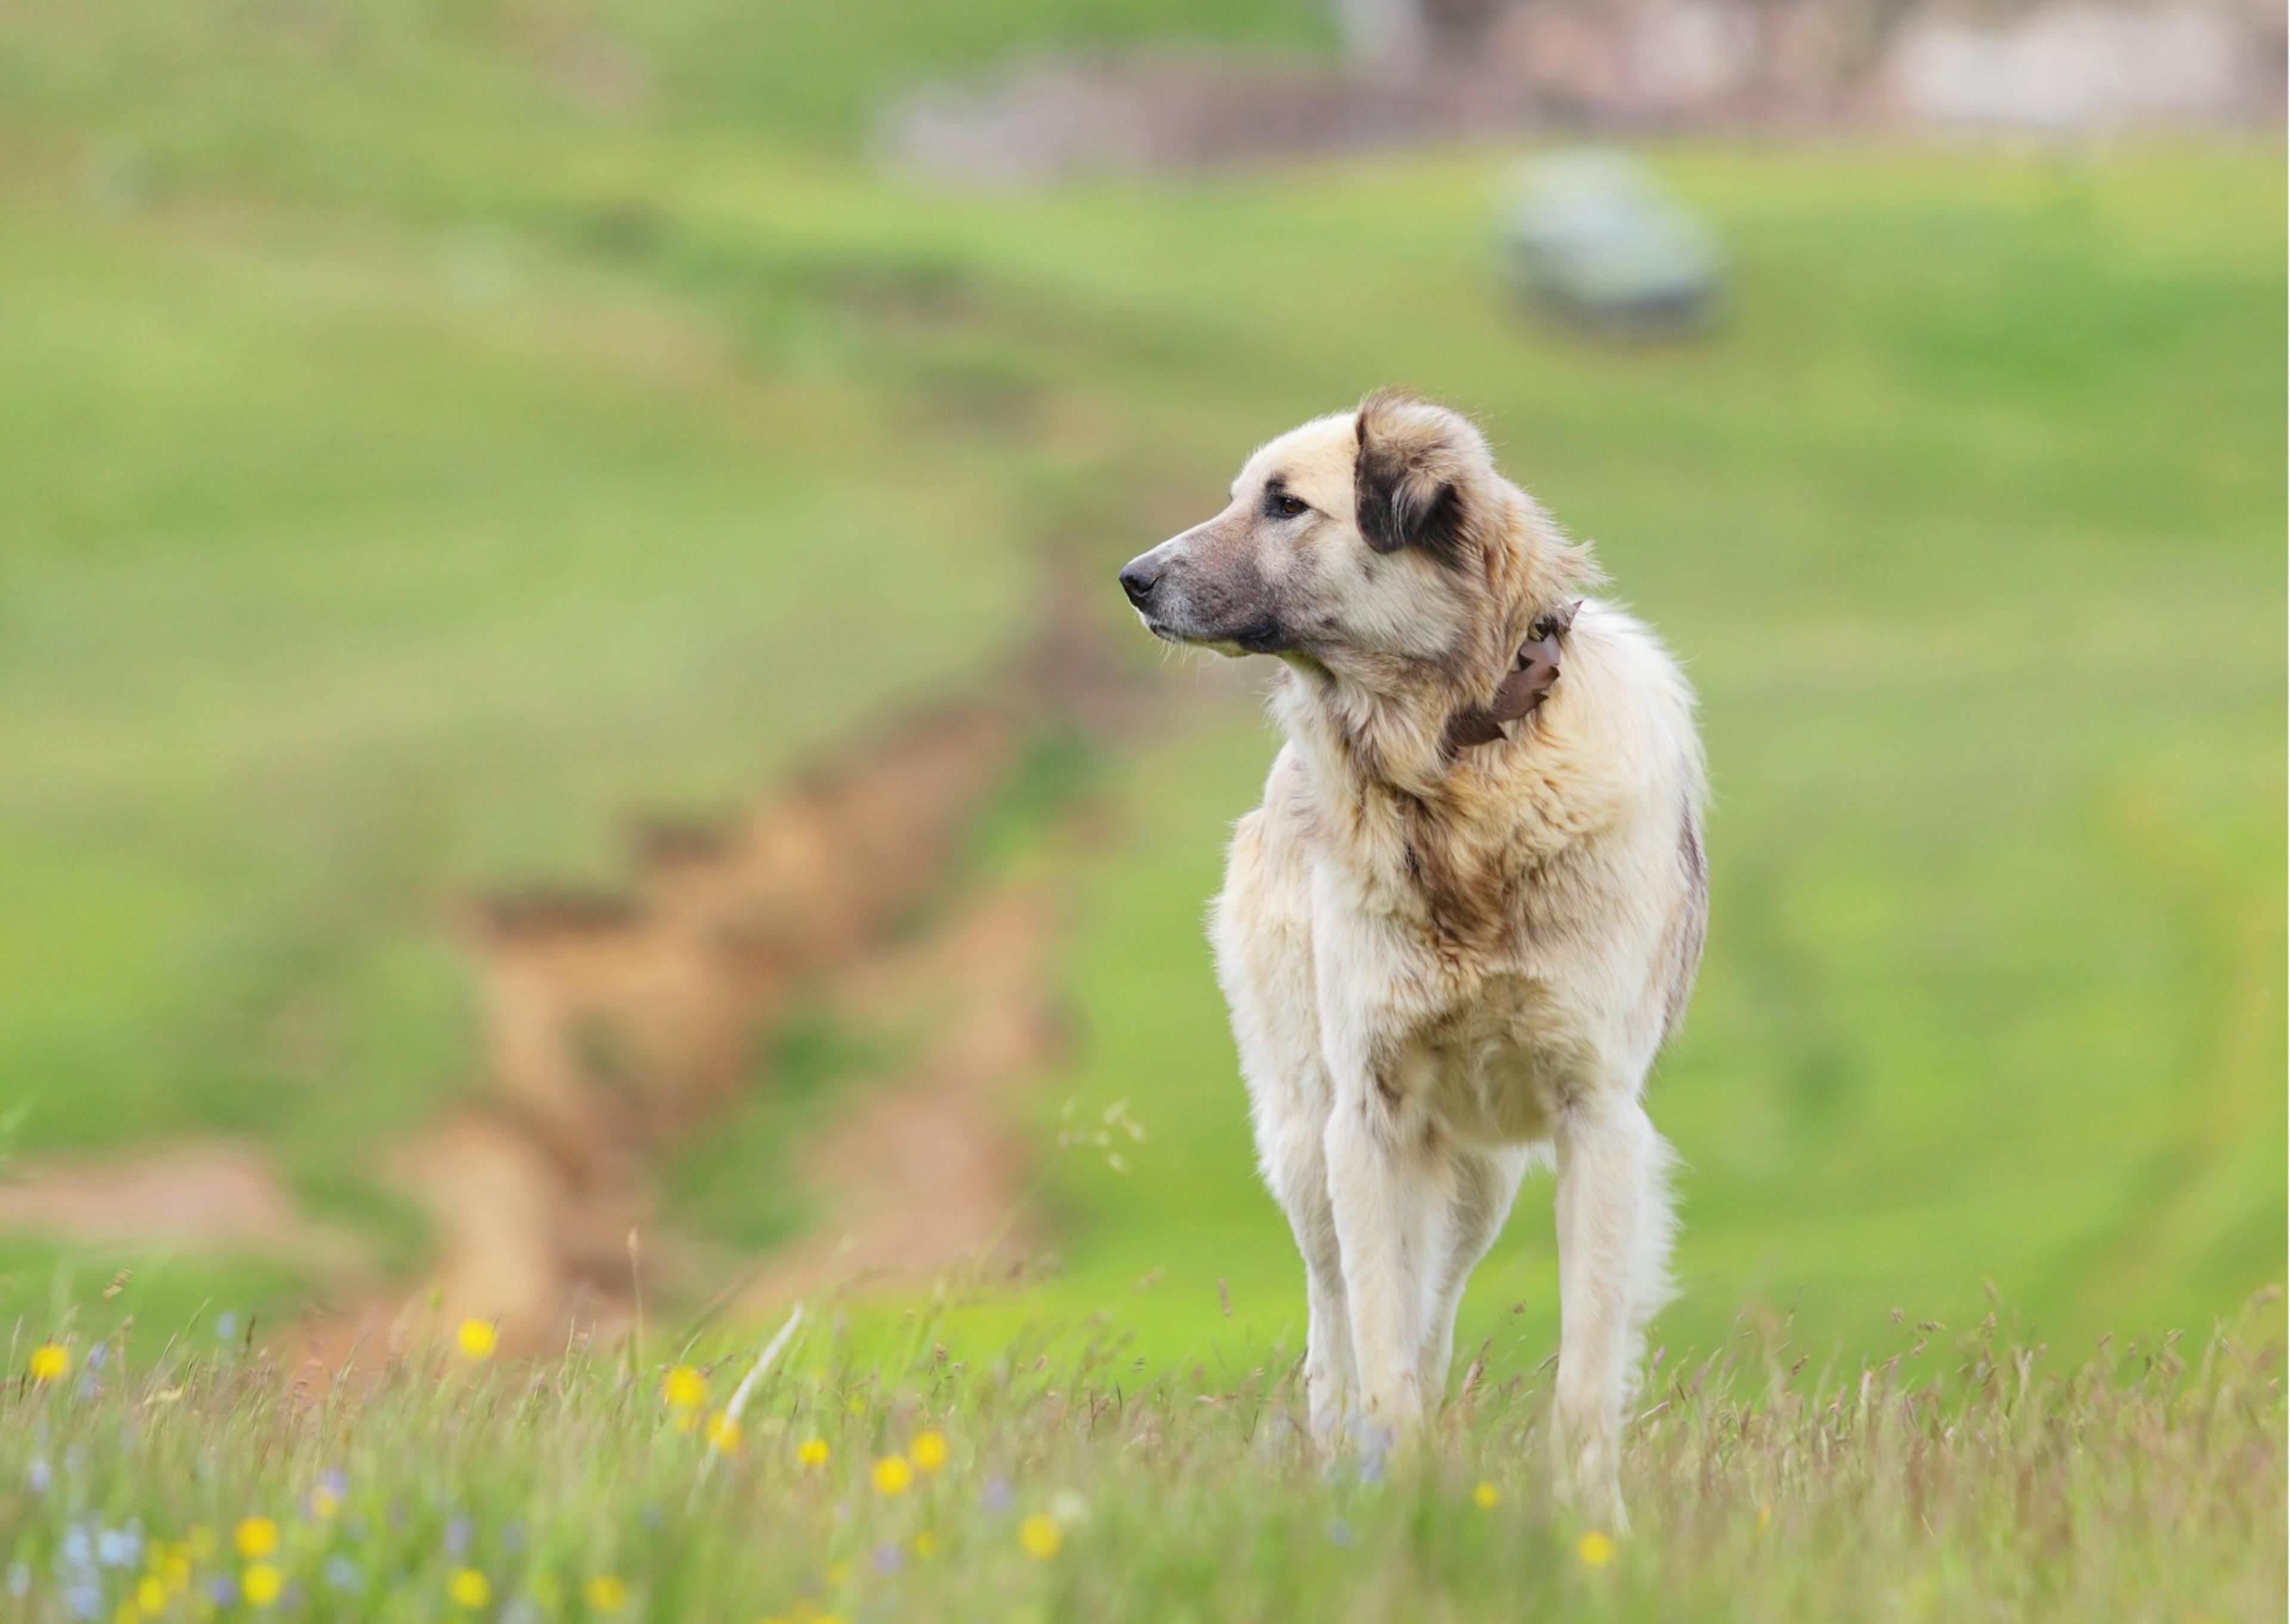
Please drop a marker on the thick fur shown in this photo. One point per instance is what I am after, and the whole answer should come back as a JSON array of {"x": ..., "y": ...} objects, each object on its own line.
[{"x": 1446, "y": 966}]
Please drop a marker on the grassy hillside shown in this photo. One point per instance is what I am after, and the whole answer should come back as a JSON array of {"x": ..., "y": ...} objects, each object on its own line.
[{"x": 429, "y": 455}]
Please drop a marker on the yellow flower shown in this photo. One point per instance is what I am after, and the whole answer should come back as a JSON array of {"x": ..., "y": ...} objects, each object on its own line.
[
  {"x": 324, "y": 1503},
  {"x": 256, "y": 1536},
  {"x": 1041, "y": 1536},
  {"x": 1595, "y": 1548},
  {"x": 926, "y": 1545},
  {"x": 893, "y": 1475},
  {"x": 1486, "y": 1496},
  {"x": 811, "y": 1452},
  {"x": 476, "y": 1339},
  {"x": 928, "y": 1451},
  {"x": 1764, "y": 1514},
  {"x": 260, "y": 1584},
  {"x": 177, "y": 1570},
  {"x": 150, "y": 1595},
  {"x": 838, "y": 1573},
  {"x": 723, "y": 1433},
  {"x": 607, "y": 1594},
  {"x": 51, "y": 1362},
  {"x": 856, "y": 1404},
  {"x": 683, "y": 1388},
  {"x": 469, "y": 1587}
]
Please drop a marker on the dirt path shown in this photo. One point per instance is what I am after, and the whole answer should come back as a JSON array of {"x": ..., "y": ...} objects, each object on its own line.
[
  {"x": 929, "y": 1172},
  {"x": 205, "y": 1195},
  {"x": 620, "y": 1023}
]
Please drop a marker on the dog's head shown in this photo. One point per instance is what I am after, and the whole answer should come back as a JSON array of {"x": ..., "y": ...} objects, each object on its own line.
[{"x": 1382, "y": 538}]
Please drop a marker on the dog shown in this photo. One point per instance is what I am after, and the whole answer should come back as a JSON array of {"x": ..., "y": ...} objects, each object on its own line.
[{"x": 1468, "y": 914}]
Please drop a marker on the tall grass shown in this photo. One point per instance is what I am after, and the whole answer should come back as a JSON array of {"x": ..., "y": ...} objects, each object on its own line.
[{"x": 1966, "y": 1476}]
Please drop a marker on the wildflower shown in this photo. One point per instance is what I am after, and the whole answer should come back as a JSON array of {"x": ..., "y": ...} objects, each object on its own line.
[
  {"x": 683, "y": 1388},
  {"x": 1486, "y": 1496},
  {"x": 150, "y": 1595},
  {"x": 892, "y": 1475},
  {"x": 928, "y": 1451},
  {"x": 255, "y": 1537},
  {"x": 38, "y": 1475},
  {"x": 811, "y": 1452},
  {"x": 1595, "y": 1548},
  {"x": 476, "y": 1339},
  {"x": 723, "y": 1433},
  {"x": 856, "y": 1404},
  {"x": 457, "y": 1536},
  {"x": 1764, "y": 1514},
  {"x": 606, "y": 1594},
  {"x": 469, "y": 1587},
  {"x": 888, "y": 1559},
  {"x": 995, "y": 1496},
  {"x": 260, "y": 1584},
  {"x": 1340, "y": 1533},
  {"x": 1068, "y": 1508},
  {"x": 925, "y": 1545},
  {"x": 343, "y": 1574},
  {"x": 51, "y": 1362},
  {"x": 1040, "y": 1536}
]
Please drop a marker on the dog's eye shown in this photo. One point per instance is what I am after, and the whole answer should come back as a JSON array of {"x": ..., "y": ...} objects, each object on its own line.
[{"x": 1288, "y": 507}]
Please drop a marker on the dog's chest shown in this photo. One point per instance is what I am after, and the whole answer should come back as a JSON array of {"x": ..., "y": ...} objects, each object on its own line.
[{"x": 1493, "y": 1074}]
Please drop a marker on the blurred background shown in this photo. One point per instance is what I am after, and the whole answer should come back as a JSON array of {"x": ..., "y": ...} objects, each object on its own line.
[{"x": 568, "y": 729}]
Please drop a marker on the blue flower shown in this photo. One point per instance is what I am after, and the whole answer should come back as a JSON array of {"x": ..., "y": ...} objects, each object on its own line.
[
  {"x": 342, "y": 1574},
  {"x": 888, "y": 1559},
  {"x": 457, "y": 1538},
  {"x": 38, "y": 1474}
]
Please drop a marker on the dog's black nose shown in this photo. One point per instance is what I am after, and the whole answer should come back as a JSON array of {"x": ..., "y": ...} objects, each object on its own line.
[{"x": 1138, "y": 580}]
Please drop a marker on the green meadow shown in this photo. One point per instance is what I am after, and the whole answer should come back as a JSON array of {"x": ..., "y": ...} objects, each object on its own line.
[
  {"x": 437, "y": 432},
  {"x": 1962, "y": 1475}
]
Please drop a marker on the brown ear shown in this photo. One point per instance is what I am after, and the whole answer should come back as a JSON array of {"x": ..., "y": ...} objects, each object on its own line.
[{"x": 1411, "y": 477}]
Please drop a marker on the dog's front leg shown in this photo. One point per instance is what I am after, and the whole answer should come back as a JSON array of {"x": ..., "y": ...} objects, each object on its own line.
[
  {"x": 1614, "y": 1248},
  {"x": 1386, "y": 1195}
]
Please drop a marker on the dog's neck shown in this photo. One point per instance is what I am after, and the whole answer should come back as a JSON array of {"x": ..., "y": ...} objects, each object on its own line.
[{"x": 1419, "y": 729}]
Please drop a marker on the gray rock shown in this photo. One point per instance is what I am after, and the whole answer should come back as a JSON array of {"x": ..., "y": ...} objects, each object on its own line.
[{"x": 1589, "y": 237}]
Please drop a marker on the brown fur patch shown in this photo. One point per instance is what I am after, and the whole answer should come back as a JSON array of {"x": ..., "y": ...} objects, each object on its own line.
[{"x": 1413, "y": 482}]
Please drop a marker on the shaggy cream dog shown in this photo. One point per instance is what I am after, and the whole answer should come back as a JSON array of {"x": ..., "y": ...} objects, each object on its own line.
[{"x": 1469, "y": 912}]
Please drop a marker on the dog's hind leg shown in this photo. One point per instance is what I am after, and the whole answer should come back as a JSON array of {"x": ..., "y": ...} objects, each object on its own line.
[
  {"x": 1486, "y": 1181},
  {"x": 1615, "y": 1231}
]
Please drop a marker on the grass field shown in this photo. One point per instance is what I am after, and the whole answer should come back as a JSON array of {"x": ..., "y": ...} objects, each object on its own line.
[
  {"x": 427, "y": 452},
  {"x": 1960, "y": 1477}
]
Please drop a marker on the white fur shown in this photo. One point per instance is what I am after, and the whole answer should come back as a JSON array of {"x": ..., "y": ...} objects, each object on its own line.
[{"x": 1403, "y": 1073}]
